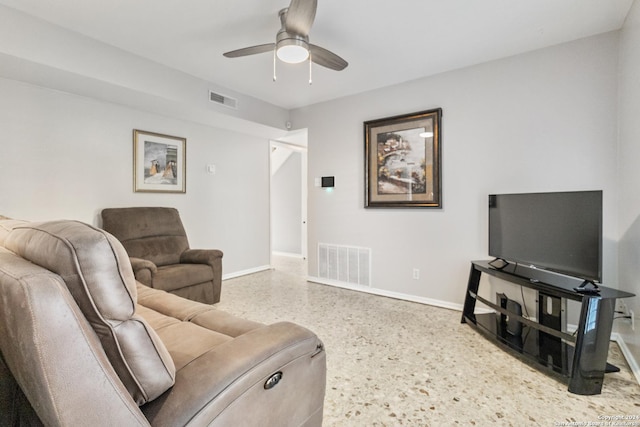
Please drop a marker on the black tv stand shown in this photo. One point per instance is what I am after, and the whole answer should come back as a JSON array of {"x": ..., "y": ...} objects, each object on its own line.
[{"x": 581, "y": 357}]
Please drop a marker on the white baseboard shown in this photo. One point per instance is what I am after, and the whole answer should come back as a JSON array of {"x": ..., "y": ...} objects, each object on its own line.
[
  {"x": 288, "y": 254},
  {"x": 385, "y": 293},
  {"x": 246, "y": 272}
]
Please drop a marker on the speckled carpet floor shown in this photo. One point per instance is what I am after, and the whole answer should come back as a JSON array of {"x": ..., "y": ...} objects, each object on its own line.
[{"x": 397, "y": 363}]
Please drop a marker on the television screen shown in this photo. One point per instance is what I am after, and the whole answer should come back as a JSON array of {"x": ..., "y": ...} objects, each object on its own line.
[{"x": 561, "y": 231}]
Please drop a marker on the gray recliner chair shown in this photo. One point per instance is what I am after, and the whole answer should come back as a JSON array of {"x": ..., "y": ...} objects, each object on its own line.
[{"x": 157, "y": 244}]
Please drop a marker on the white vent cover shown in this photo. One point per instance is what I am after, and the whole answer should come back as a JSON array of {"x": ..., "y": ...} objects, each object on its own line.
[
  {"x": 347, "y": 264},
  {"x": 223, "y": 100}
]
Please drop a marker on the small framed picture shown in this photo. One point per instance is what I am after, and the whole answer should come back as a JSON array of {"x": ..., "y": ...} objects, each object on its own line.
[
  {"x": 402, "y": 161},
  {"x": 159, "y": 163}
]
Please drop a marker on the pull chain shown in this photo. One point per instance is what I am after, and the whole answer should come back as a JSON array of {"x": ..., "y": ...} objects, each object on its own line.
[
  {"x": 310, "y": 68},
  {"x": 274, "y": 64}
]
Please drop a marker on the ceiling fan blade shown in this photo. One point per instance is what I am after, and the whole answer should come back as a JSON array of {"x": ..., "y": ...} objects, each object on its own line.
[
  {"x": 300, "y": 16},
  {"x": 252, "y": 50},
  {"x": 326, "y": 58}
]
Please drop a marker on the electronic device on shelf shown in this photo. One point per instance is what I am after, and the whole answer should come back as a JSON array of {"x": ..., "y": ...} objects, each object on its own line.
[
  {"x": 513, "y": 326},
  {"x": 560, "y": 232}
]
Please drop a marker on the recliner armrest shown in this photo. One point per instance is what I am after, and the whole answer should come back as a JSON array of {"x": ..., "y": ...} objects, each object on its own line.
[
  {"x": 201, "y": 256},
  {"x": 226, "y": 385},
  {"x": 143, "y": 269},
  {"x": 141, "y": 264}
]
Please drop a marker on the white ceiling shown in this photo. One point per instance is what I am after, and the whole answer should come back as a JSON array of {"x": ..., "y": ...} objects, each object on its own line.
[{"x": 385, "y": 42}]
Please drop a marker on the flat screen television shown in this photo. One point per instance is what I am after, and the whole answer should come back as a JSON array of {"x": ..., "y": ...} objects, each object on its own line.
[{"x": 561, "y": 231}]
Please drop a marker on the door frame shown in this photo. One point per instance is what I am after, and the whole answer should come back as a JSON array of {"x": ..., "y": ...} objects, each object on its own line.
[{"x": 296, "y": 146}]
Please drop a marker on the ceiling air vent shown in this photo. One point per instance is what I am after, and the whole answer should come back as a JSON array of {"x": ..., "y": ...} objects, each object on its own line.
[{"x": 223, "y": 100}]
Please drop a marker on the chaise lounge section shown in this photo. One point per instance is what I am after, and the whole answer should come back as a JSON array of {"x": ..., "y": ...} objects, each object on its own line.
[{"x": 83, "y": 343}]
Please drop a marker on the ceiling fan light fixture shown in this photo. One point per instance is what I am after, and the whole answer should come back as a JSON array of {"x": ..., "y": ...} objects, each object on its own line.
[{"x": 292, "y": 50}]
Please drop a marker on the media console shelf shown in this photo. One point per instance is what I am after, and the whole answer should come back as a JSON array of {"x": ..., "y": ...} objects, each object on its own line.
[{"x": 581, "y": 356}]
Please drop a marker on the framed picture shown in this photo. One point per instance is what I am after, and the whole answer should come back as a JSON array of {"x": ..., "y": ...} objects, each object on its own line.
[
  {"x": 159, "y": 163},
  {"x": 402, "y": 161}
]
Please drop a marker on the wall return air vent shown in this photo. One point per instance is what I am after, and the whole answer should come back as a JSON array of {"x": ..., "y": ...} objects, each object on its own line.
[
  {"x": 223, "y": 100},
  {"x": 346, "y": 264}
]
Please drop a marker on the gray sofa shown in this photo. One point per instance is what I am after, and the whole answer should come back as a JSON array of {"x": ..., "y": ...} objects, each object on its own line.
[{"x": 83, "y": 343}]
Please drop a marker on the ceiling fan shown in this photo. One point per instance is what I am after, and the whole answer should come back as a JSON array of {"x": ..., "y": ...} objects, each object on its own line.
[{"x": 292, "y": 40}]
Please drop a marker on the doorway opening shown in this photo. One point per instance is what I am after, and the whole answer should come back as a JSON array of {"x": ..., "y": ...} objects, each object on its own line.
[{"x": 288, "y": 197}]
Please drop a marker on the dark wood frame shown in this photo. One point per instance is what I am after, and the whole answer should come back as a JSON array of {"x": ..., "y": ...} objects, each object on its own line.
[{"x": 396, "y": 175}]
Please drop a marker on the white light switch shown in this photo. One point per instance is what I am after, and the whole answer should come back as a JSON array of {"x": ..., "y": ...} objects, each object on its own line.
[{"x": 211, "y": 169}]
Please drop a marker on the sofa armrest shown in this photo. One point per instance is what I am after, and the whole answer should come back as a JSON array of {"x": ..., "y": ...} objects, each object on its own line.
[
  {"x": 143, "y": 269},
  {"x": 226, "y": 385},
  {"x": 213, "y": 257}
]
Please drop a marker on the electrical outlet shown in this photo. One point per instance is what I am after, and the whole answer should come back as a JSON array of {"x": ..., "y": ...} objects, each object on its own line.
[
  {"x": 633, "y": 320},
  {"x": 623, "y": 308},
  {"x": 416, "y": 273}
]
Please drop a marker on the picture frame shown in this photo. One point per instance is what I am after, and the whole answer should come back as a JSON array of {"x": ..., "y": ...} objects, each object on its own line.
[
  {"x": 403, "y": 161},
  {"x": 159, "y": 163}
]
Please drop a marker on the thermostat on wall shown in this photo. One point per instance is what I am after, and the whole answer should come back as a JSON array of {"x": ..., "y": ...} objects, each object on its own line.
[{"x": 328, "y": 181}]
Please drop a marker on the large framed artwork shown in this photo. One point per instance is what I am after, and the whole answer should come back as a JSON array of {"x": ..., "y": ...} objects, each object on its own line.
[
  {"x": 159, "y": 162},
  {"x": 402, "y": 161}
]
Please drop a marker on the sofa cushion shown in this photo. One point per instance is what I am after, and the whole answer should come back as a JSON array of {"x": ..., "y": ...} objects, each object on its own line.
[
  {"x": 184, "y": 340},
  {"x": 96, "y": 269},
  {"x": 6, "y": 225},
  {"x": 174, "y": 307}
]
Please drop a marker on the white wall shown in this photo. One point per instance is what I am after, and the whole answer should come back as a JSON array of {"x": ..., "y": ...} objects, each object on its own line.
[
  {"x": 286, "y": 203},
  {"x": 542, "y": 121},
  {"x": 66, "y": 156},
  {"x": 38, "y": 52},
  {"x": 629, "y": 175}
]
